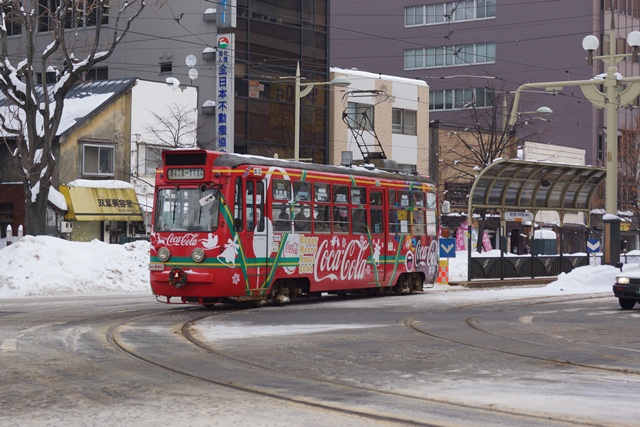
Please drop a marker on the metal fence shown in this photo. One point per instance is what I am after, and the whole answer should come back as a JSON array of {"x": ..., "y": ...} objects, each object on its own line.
[{"x": 528, "y": 266}]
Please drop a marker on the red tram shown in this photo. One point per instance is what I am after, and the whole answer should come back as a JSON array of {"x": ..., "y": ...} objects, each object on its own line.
[{"x": 230, "y": 227}]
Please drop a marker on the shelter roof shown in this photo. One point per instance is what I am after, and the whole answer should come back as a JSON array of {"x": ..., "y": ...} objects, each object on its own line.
[{"x": 526, "y": 185}]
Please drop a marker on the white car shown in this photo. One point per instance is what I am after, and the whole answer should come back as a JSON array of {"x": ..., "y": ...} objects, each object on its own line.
[{"x": 627, "y": 288}]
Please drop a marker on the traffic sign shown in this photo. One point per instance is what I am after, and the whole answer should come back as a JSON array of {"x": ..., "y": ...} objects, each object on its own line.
[
  {"x": 447, "y": 248},
  {"x": 593, "y": 246}
]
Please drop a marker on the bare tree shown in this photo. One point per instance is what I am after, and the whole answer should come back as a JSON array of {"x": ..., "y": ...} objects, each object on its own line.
[
  {"x": 483, "y": 138},
  {"x": 33, "y": 111},
  {"x": 178, "y": 129}
]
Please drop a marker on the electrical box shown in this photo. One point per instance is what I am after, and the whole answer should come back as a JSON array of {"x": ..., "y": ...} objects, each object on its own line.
[{"x": 66, "y": 227}]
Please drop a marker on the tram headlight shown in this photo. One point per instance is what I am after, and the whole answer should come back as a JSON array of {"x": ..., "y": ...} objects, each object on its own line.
[
  {"x": 197, "y": 255},
  {"x": 164, "y": 254}
]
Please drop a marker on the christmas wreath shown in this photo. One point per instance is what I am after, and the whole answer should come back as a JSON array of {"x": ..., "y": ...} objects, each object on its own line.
[{"x": 177, "y": 277}]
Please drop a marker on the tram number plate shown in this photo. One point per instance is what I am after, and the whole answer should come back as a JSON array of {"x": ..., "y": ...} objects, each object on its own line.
[{"x": 185, "y": 173}]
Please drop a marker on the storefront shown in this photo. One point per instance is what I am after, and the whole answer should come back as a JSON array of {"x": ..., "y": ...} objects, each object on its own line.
[{"x": 104, "y": 210}]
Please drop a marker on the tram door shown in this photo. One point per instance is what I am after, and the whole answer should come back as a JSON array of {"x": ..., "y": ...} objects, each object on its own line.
[
  {"x": 377, "y": 225},
  {"x": 257, "y": 233}
]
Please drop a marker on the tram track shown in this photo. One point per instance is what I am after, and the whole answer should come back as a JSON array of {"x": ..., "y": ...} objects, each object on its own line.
[
  {"x": 246, "y": 375},
  {"x": 474, "y": 322}
]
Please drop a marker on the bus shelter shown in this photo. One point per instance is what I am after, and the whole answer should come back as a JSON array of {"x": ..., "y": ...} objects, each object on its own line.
[{"x": 518, "y": 185}]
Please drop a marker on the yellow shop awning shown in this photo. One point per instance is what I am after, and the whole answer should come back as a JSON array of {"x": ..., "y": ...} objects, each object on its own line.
[{"x": 101, "y": 204}]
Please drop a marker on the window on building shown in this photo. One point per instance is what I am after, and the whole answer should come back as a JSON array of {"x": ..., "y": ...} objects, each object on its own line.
[
  {"x": 97, "y": 73},
  {"x": 11, "y": 21},
  {"x": 414, "y": 15},
  {"x": 455, "y": 99},
  {"x": 360, "y": 116},
  {"x": 450, "y": 56},
  {"x": 403, "y": 121},
  {"x": 166, "y": 67},
  {"x": 449, "y": 12},
  {"x": 78, "y": 14},
  {"x": 98, "y": 160}
]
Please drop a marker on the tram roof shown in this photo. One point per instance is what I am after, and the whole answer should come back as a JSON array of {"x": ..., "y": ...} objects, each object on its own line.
[
  {"x": 518, "y": 184},
  {"x": 235, "y": 160}
]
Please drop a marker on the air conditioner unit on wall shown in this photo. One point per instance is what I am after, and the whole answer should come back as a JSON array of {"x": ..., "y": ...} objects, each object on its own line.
[{"x": 66, "y": 227}]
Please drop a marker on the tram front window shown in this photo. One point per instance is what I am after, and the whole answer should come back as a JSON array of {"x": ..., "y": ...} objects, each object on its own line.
[{"x": 187, "y": 209}]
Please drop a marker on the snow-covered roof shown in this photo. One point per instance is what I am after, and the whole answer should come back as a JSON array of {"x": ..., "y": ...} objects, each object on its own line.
[
  {"x": 83, "y": 101},
  {"x": 106, "y": 183},
  {"x": 377, "y": 76},
  {"x": 57, "y": 199}
]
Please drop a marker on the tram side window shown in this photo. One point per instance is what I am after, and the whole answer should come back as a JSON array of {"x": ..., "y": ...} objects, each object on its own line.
[
  {"x": 418, "y": 213},
  {"x": 377, "y": 212},
  {"x": 431, "y": 200},
  {"x": 394, "y": 225},
  {"x": 281, "y": 190},
  {"x": 259, "y": 210},
  {"x": 301, "y": 191},
  {"x": 404, "y": 213},
  {"x": 322, "y": 218},
  {"x": 399, "y": 211},
  {"x": 322, "y": 193},
  {"x": 432, "y": 228},
  {"x": 322, "y": 208},
  {"x": 358, "y": 195},
  {"x": 302, "y": 206},
  {"x": 255, "y": 206},
  {"x": 281, "y": 218},
  {"x": 340, "y": 209},
  {"x": 280, "y": 213},
  {"x": 237, "y": 206},
  {"x": 359, "y": 213},
  {"x": 302, "y": 218}
]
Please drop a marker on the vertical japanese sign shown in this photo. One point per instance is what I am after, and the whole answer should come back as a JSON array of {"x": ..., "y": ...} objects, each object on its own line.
[
  {"x": 225, "y": 72},
  {"x": 226, "y": 14}
]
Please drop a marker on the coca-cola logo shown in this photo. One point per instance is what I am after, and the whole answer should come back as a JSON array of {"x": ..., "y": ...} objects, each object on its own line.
[
  {"x": 336, "y": 263},
  {"x": 188, "y": 239},
  {"x": 291, "y": 248},
  {"x": 420, "y": 256}
]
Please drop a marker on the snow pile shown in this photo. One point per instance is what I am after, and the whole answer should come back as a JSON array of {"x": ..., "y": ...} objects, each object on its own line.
[{"x": 44, "y": 265}]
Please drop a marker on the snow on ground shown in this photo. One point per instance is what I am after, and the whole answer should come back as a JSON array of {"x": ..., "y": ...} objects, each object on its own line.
[{"x": 47, "y": 266}]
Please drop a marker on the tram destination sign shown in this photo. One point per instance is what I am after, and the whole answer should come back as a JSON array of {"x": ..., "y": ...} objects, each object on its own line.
[
  {"x": 185, "y": 173},
  {"x": 518, "y": 216}
]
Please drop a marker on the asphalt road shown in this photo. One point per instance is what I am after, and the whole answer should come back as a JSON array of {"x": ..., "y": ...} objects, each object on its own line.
[{"x": 406, "y": 360}]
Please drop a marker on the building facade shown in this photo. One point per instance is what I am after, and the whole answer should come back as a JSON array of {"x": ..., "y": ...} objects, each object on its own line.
[
  {"x": 380, "y": 117},
  {"x": 468, "y": 50}
]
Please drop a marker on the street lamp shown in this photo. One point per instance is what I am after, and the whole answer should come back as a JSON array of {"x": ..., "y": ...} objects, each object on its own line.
[
  {"x": 541, "y": 111},
  {"x": 618, "y": 93},
  {"x": 302, "y": 90}
]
